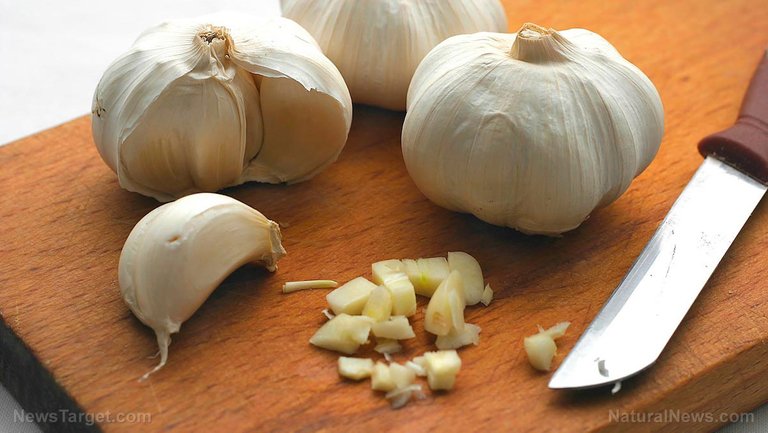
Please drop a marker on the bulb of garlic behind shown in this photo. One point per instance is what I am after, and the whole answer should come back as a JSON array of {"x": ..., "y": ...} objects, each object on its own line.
[
  {"x": 203, "y": 104},
  {"x": 377, "y": 44},
  {"x": 180, "y": 252},
  {"x": 532, "y": 130}
]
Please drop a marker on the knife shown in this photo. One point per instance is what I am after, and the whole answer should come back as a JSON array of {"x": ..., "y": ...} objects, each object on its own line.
[{"x": 639, "y": 318}]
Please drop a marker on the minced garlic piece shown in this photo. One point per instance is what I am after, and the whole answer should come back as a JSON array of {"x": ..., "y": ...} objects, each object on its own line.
[
  {"x": 355, "y": 368},
  {"x": 442, "y": 367},
  {"x": 396, "y": 328},
  {"x": 343, "y": 333},
  {"x": 379, "y": 305},
  {"x": 351, "y": 297},
  {"x": 541, "y": 347}
]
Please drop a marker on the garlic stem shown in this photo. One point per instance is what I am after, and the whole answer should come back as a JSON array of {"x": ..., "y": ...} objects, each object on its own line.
[
  {"x": 537, "y": 44},
  {"x": 294, "y": 286}
]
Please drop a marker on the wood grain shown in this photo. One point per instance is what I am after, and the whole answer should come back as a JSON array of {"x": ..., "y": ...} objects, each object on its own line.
[{"x": 242, "y": 363}]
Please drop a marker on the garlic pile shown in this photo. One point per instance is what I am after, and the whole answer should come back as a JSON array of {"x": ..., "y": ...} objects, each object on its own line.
[
  {"x": 207, "y": 103},
  {"x": 377, "y": 44},
  {"x": 532, "y": 130},
  {"x": 180, "y": 252},
  {"x": 382, "y": 307}
]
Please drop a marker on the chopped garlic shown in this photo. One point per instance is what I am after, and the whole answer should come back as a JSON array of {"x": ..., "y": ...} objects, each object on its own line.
[
  {"x": 355, "y": 368},
  {"x": 396, "y": 328},
  {"x": 383, "y": 270},
  {"x": 541, "y": 347},
  {"x": 426, "y": 274},
  {"x": 387, "y": 346},
  {"x": 399, "y": 397},
  {"x": 487, "y": 295},
  {"x": 293, "y": 286},
  {"x": 417, "y": 368},
  {"x": 343, "y": 333},
  {"x": 442, "y": 367},
  {"x": 456, "y": 339},
  {"x": 351, "y": 297},
  {"x": 401, "y": 375},
  {"x": 470, "y": 272},
  {"x": 328, "y": 314},
  {"x": 379, "y": 305},
  {"x": 403, "y": 294},
  {"x": 445, "y": 311},
  {"x": 381, "y": 378}
]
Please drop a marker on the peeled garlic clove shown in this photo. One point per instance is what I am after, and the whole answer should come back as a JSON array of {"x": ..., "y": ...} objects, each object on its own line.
[
  {"x": 343, "y": 333},
  {"x": 558, "y": 126},
  {"x": 471, "y": 273},
  {"x": 351, "y": 297},
  {"x": 180, "y": 252},
  {"x": 260, "y": 103},
  {"x": 378, "y": 44},
  {"x": 445, "y": 311}
]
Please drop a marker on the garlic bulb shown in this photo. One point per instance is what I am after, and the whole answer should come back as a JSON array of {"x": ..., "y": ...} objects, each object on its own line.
[
  {"x": 180, "y": 252},
  {"x": 207, "y": 103},
  {"x": 377, "y": 44},
  {"x": 531, "y": 130}
]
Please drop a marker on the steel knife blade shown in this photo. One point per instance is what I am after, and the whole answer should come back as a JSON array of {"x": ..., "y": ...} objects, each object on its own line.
[{"x": 639, "y": 318}]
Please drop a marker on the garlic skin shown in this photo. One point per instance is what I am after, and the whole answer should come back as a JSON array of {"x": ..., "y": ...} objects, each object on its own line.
[
  {"x": 377, "y": 44},
  {"x": 206, "y": 103},
  {"x": 180, "y": 252},
  {"x": 532, "y": 130}
]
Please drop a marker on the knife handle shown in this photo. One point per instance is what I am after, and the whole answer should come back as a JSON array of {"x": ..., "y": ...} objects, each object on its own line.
[{"x": 745, "y": 144}]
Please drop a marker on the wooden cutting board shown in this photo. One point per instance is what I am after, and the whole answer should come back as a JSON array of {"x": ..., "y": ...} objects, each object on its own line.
[{"x": 242, "y": 363}]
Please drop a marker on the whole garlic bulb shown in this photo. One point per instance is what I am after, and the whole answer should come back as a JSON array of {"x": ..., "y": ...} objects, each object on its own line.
[
  {"x": 377, "y": 44},
  {"x": 203, "y": 104},
  {"x": 532, "y": 130},
  {"x": 180, "y": 252}
]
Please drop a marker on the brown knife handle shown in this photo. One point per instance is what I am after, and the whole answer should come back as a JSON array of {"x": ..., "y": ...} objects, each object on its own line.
[{"x": 745, "y": 144}]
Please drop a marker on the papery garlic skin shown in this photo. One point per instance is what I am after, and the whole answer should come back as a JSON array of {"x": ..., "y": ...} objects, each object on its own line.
[
  {"x": 203, "y": 104},
  {"x": 377, "y": 44},
  {"x": 532, "y": 130},
  {"x": 180, "y": 252}
]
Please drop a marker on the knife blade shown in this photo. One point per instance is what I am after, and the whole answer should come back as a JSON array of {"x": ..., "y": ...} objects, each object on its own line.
[{"x": 639, "y": 318}]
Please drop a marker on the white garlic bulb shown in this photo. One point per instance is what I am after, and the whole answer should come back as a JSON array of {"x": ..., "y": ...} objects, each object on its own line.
[
  {"x": 377, "y": 44},
  {"x": 180, "y": 252},
  {"x": 203, "y": 104},
  {"x": 531, "y": 130}
]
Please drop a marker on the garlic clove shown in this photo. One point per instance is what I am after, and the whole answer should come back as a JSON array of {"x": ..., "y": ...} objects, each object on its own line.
[
  {"x": 487, "y": 295},
  {"x": 355, "y": 368},
  {"x": 343, "y": 333},
  {"x": 471, "y": 273},
  {"x": 379, "y": 304},
  {"x": 180, "y": 252},
  {"x": 396, "y": 328},
  {"x": 351, "y": 297},
  {"x": 445, "y": 311},
  {"x": 470, "y": 334}
]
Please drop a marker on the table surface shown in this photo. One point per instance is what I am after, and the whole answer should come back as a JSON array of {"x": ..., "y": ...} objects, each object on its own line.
[{"x": 62, "y": 63}]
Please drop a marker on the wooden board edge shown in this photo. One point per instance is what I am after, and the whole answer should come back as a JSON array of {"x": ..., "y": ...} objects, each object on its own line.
[{"x": 35, "y": 388}]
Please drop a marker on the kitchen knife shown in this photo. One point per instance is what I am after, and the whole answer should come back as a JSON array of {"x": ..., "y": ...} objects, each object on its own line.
[{"x": 643, "y": 312}]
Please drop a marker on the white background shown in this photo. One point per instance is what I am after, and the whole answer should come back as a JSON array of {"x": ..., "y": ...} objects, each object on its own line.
[{"x": 52, "y": 54}]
